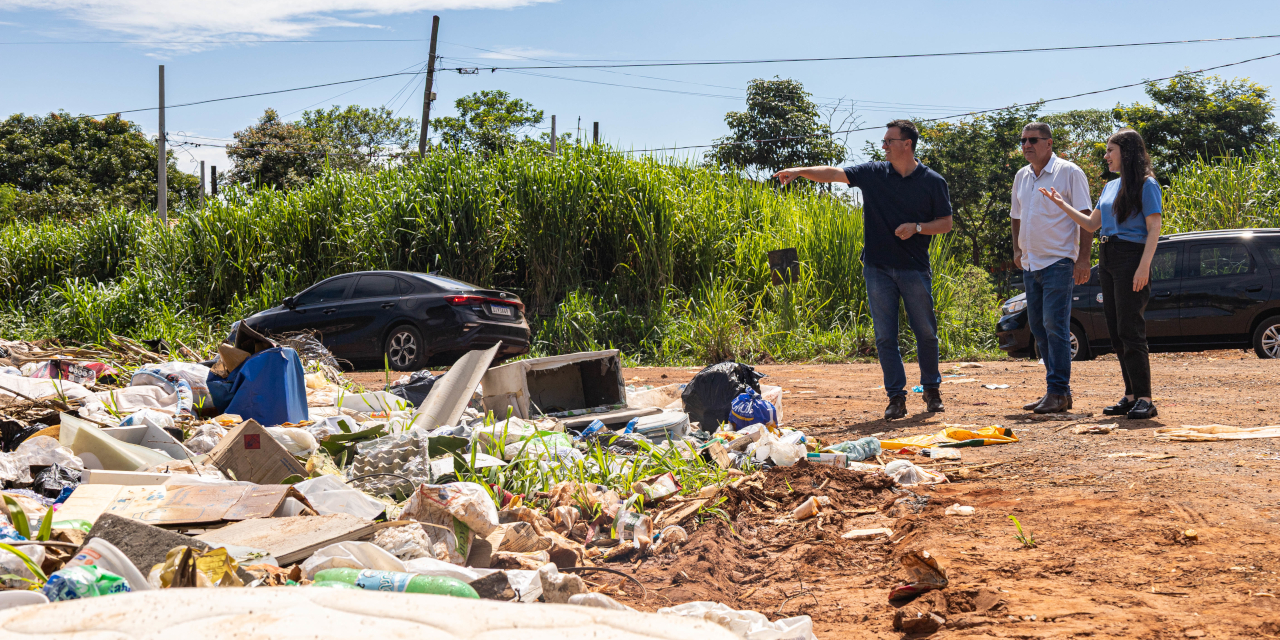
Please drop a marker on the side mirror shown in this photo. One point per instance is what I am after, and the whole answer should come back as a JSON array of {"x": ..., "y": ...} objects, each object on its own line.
[{"x": 290, "y": 302}]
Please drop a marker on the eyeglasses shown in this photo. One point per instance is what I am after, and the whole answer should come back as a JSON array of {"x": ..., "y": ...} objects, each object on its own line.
[
  {"x": 1033, "y": 140},
  {"x": 888, "y": 140}
]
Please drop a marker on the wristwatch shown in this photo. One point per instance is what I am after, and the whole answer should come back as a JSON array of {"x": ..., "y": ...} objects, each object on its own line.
[{"x": 918, "y": 227}]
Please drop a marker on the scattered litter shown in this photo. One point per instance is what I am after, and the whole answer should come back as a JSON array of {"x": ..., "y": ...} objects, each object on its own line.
[
  {"x": 749, "y": 625},
  {"x": 995, "y": 386},
  {"x": 955, "y": 436},
  {"x": 1095, "y": 429},
  {"x": 866, "y": 534},
  {"x": 924, "y": 574},
  {"x": 1215, "y": 432},
  {"x": 960, "y": 510}
]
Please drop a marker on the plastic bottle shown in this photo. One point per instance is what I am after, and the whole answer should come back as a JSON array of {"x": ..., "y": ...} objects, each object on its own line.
[
  {"x": 811, "y": 507},
  {"x": 595, "y": 427},
  {"x": 398, "y": 581},
  {"x": 104, "y": 555},
  {"x": 333, "y": 584},
  {"x": 861, "y": 449}
]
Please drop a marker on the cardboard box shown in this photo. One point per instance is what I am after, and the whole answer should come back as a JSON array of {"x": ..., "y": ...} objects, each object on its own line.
[
  {"x": 189, "y": 505},
  {"x": 249, "y": 454},
  {"x": 569, "y": 382}
]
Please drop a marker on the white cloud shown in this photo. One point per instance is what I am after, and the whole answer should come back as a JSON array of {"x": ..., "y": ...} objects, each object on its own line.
[
  {"x": 247, "y": 20},
  {"x": 521, "y": 53}
]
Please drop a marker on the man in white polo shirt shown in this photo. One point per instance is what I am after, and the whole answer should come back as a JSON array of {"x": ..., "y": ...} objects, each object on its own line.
[{"x": 1053, "y": 252}]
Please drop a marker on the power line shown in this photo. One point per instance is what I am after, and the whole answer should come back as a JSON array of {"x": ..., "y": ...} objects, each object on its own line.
[
  {"x": 85, "y": 42},
  {"x": 692, "y": 63},
  {"x": 970, "y": 113}
]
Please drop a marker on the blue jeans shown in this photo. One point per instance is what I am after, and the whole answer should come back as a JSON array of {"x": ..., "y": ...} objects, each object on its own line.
[
  {"x": 1049, "y": 317},
  {"x": 885, "y": 287}
]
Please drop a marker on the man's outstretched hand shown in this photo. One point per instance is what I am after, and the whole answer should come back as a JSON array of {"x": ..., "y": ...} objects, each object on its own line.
[{"x": 787, "y": 175}]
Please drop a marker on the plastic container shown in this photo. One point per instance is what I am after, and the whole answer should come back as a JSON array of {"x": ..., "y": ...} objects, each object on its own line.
[
  {"x": 661, "y": 426},
  {"x": 858, "y": 450},
  {"x": 83, "y": 582},
  {"x": 370, "y": 580},
  {"x": 832, "y": 459},
  {"x": 811, "y": 507},
  {"x": 595, "y": 427},
  {"x": 938, "y": 453},
  {"x": 104, "y": 555}
]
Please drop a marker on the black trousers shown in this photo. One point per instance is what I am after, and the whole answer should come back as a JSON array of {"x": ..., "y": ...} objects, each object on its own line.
[{"x": 1123, "y": 308}]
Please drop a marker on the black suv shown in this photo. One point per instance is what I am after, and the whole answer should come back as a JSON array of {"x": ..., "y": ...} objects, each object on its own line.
[
  {"x": 1209, "y": 290},
  {"x": 407, "y": 320}
]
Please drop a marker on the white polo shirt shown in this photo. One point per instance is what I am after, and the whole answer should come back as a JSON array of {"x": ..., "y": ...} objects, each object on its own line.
[{"x": 1047, "y": 233}]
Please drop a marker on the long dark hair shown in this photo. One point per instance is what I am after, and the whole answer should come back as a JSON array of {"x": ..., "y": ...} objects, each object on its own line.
[{"x": 1135, "y": 168}]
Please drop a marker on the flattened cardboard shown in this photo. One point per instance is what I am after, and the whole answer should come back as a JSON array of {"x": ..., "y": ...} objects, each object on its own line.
[
  {"x": 291, "y": 539},
  {"x": 177, "y": 506},
  {"x": 249, "y": 454},
  {"x": 451, "y": 393}
]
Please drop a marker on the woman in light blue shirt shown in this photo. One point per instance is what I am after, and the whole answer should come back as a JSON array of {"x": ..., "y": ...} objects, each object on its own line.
[{"x": 1128, "y": 213}]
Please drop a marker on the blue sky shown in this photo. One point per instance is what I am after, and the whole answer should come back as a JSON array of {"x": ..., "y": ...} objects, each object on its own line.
[{"x": 678, "y": 106}]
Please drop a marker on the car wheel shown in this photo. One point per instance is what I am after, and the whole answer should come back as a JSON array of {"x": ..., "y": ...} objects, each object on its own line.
[
  {"x": 404, "y": 349},
  {"x": 1080, "y": 344},
  {"x": 1266, "y": 338}
]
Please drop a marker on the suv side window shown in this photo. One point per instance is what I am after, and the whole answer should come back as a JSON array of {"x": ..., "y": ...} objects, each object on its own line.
[
  {"x": 375, "y": 286},
  {"x": 1164, "y": 264},
  {"x": 1272, "y": 251},
  {"x": 330, "y": 291},
  {"x": 1220, "y": 260}
]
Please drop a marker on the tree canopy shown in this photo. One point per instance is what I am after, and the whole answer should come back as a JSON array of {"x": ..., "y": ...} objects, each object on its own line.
[
  {"x": 359, "y": 138},
  {"x": 487, "y": 122},
  {"x": 1200, "y": 116},
  {"x": 781, "y": 128},
  {"x": 61, "y": 164}
]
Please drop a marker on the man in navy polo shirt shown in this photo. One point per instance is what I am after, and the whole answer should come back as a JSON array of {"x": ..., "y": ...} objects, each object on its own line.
[{"x": 904, "y": 204}]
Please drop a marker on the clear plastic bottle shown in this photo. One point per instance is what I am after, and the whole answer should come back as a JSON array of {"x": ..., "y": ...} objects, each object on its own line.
[{"x": 861, "y": 449}]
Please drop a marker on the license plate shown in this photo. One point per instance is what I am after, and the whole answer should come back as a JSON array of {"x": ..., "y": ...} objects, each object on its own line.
[{"x": 501, "y": 311}]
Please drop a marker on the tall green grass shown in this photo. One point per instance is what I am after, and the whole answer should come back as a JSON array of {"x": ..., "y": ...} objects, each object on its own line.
[
  {"x": 664, "y": 259},
  {"x": 1231, "y": 192}
]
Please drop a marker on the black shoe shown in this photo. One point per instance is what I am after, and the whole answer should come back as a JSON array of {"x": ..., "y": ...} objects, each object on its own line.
[
  {"x": 897, "y": 408},
  {"x": 1142, "y": 410},
  {"x": 1120, "y": 408},
  {"x": 1034, "y": 403},
  {"x": 1054, "y": 403},
  {"x": 933, "y": 401}
]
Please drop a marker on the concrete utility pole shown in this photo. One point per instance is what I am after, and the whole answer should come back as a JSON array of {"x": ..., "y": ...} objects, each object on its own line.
[
  {"x": 427, "y": 95},
  {"x": 202, "y": 183},
  {"x": 162, "y": 168},
  {"x": 553, "y": 135},
  {"x": 595, "y": 133},
  {"x": 213, "y": 180}
]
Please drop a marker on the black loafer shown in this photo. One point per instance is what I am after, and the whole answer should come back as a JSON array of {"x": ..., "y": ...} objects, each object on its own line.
[
  {"x": 1120, "y": 408},
  {"x": 897, "y": 408},
  {"x": 1142, "y": 410}
]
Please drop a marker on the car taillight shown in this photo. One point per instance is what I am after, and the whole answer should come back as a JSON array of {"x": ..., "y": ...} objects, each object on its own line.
[{"x": 463, "y": 301}]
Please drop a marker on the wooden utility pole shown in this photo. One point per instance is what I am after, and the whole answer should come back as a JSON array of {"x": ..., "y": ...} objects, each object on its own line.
[
  {"x": 162, "y": 168},
  {"x": 427, "y": 95},
  {"x": 595, "y": 133},
  {"x": 213, "y": 180},
  {"x": 553, "y": 135},
  {"x": 202, "y": 184}
]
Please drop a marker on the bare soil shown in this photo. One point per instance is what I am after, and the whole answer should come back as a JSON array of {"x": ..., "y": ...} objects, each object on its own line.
[{"x": 1112, "y": 556}]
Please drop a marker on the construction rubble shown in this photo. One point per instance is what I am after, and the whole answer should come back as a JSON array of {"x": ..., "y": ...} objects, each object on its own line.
[{"x": 139, "y": 467}]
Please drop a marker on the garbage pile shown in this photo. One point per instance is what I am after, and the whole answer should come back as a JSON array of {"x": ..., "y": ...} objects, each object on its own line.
[{"x": 129, "y": 471}]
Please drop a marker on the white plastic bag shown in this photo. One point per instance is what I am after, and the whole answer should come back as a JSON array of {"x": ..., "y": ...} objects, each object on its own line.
[
  {"x": 598, "y": 600},
  {"x": 295, "y": 440},
  {"x": 469, "y": 502},
  {"x": 42, "y": 450},
  {"x": 433, "y": 567},
  {"x": 329, "y": 494},
  {"x": 372, "y": 402},
  {"x": 207, "y": 436},
  {"x": 502, "y": 433},
  {"x": 350, "y": 555},
  {"x": 773, "y": 395},
  {"x": 749, "y": 625},
  {"x": 13, "y": 565},
  {"x": 907, "y": 474}
]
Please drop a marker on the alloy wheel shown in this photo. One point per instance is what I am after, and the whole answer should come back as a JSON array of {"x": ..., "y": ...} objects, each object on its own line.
[
  {"x": 1271, "y": 341},
  {"x": 1075, "y": 345},
  {"x": 402, "y": 349}
]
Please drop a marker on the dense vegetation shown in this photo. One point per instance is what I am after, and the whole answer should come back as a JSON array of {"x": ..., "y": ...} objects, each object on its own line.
[{"x": 663, "y": 259}]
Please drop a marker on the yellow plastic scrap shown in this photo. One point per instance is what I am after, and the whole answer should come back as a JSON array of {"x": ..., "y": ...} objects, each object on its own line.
[
  {"x": 214, "y": 568},
  {"x": 954, "y": 437}
]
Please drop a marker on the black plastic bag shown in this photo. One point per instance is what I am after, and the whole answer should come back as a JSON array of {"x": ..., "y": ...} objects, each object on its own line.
[
  {"x": 416, "y": 389},
  {"x": 50, "y": 480},
  {"x": 708, "y": 396}
]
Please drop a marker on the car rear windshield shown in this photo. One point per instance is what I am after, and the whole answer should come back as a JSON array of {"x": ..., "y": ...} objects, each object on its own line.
[{"x": 448, "y": 284}]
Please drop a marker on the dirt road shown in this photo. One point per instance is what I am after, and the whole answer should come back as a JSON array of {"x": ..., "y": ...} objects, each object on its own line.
[{"x": 1109, "y": 513}]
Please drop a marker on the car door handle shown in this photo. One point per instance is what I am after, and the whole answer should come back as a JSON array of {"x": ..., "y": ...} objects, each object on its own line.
[
  {"x": 1254, "y": 289},
  {"x": 329, "y": 311},
  {"x": 1163, "y": 294},
  {"x": 388, "y": 305}
]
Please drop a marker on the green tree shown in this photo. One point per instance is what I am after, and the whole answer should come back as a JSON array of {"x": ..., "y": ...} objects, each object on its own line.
[
  {"x": 487, "y": 122},
  {"x": 275, "y": 153},
  {"x": 61, "y": 164},
  {"x": 1080, "y": 135},
  {"x": 781, "y": 128},
  {"x": 1200, "y": 116},
  {"x": 359, "y": 138}
]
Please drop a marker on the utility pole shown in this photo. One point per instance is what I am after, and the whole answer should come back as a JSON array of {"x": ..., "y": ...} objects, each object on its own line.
[
  {"x": 553, "y": 135},
  {"x": 202, "y": 184},
  {"x": 162, "y": 168},
  {"x": 213, "y": 180},
  {"x": 427, "y": 95},
  {"x": 595, "y": 133}
]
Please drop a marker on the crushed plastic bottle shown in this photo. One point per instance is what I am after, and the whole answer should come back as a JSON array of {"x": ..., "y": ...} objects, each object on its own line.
[
  {"x": 371, "y": 580},
  {"x": 861, "y": 449}
]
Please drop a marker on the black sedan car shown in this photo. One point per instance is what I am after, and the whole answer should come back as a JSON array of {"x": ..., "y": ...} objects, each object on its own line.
[
  {"x": 407, "y": 320},
  {"x": 1209, "y": 290}
]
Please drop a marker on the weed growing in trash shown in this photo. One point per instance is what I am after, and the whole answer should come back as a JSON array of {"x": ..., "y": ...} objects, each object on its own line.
[
  {"x": 663, "y": 258},
  {"x": 34, "y": 568},
  {"x": 1027, "y": 539}
]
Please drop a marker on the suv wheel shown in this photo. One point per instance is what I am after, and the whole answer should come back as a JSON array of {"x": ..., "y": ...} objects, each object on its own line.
[
  {"x": 1266, "y": 338},
  {"x": 404, "y": 349}
]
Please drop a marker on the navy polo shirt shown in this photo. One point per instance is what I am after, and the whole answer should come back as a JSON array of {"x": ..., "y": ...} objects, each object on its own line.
[{"x": 888, "y": 201}]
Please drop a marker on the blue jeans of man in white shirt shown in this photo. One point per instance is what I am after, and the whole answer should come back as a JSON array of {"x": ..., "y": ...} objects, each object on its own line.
[{"x": 1049, "y": 318}]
